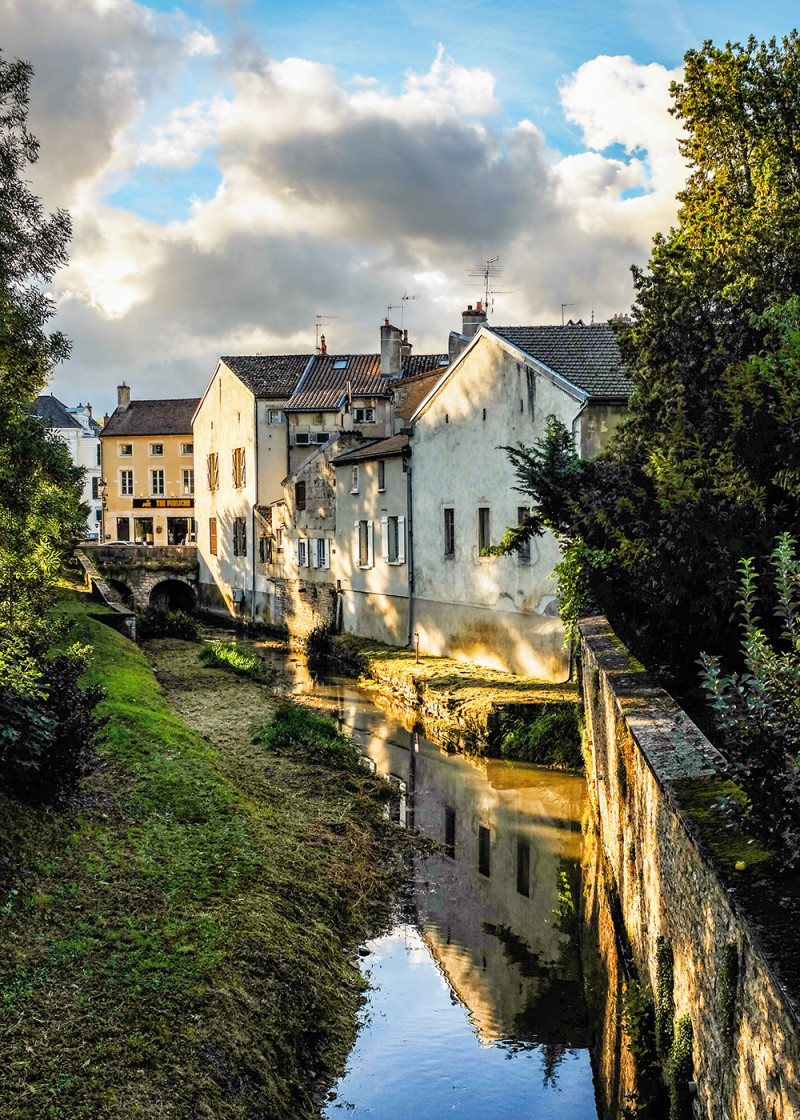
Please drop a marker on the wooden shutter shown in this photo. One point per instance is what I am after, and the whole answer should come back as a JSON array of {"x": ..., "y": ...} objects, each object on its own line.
[
  {"x": 244, "y": 467},
  {"x": 356, "y": 543},
  {"x": 212, "y": 535},
  {"x": 315, "y": 552}
]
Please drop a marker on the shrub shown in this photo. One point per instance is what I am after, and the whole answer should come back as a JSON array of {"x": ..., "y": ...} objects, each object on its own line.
[
  {"x": 297, "y": 732},
  {"x": 45, "y": 740},
  {"x": 159, "y": 622},
  {"x": 227, "y": 655},
  {"x": 553, "y": 738}
]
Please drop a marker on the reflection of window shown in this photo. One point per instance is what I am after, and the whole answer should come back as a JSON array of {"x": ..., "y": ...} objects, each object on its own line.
[
  {"x": 449, "y": 532},
  {"x": 126, "y": 483},
  {"x": 238, "y": 471},
  {"x": 381, "y": 475},
  {"x": 523, "y": 866},
  {"x": 524, "y": 554},
  {"x": 364, "y": 550},
  {"x": 239, "y": 536},
  {"x": 484, "y": 851},
  {"x": 300, "y": 495},
  {"x": 188, "y": 481},
  {"x": 484, "y": 536},
  {"x": 212, "y": 470},
  {"x": 156, "y": 483},
  {"x": 449, "y": 832},
  {"x": 212, "y": 535}
]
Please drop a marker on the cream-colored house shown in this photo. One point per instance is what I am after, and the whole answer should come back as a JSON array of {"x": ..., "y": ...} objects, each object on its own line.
[
  {"x": 148, "y": 471},
  {"x": 499, "y": 391}
]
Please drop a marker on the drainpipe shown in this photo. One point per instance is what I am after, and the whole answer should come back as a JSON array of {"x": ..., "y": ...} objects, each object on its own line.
[{"x": 410, "y": 548}]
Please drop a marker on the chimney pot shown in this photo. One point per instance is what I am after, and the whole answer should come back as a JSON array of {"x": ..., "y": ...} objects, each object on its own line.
[
  {"x": 105, "y": 419},
  {"x": 123, "y": 396},
  {"x": 469, "y": 307},
  {"x": 323, "y": 346},
  {"x": 471, "y": 320},
  {"x": 479, "y": 305}
]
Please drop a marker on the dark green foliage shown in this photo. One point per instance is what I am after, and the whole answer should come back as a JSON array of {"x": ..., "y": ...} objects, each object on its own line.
[
  {"x": 638, "y": 1020},
  {"x": 553, "y": 738},
  {"x": 319, "y": 646},
  {"x": 681, "y": 1066},
  {"x": 728, "y": 988},
  {"x": 46, "y": 741},
  {"x": 296, "y": 732},
  {"x": 665, "y": 996},
  {"x": 159, "y": 622}
]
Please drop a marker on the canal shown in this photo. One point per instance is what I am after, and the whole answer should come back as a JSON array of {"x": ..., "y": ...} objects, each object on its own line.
[{"x": 476, "y": 1006}]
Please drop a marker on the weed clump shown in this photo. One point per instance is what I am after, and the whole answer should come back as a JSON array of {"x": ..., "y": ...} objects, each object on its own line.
[
  {"x": 228, "y": 655},
  {"x": 159, "y": 622},
  {"x": 553, "y": 738},
  {"x": 298, "y": 733}
]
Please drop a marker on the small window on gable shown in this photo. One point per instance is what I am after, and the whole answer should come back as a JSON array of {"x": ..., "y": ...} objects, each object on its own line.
[
  {"x": 274, "y": 416},
  {"x": 381, "y": 474},
  {"x": 300, "y": 495},
  {"x": 364, "y": 415},
  {"x": 354, "y": 480}
]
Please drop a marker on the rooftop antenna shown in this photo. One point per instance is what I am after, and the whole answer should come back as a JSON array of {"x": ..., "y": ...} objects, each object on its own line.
[
  {"x": 563, "y": 305},
  {"x": 490, "y": 269},
  {"x": 322, "y": 321},
  {"x": 406, "y": 298}
]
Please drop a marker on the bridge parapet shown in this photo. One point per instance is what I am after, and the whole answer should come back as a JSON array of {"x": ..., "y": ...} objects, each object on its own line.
[{"x": 137, "y": 571}]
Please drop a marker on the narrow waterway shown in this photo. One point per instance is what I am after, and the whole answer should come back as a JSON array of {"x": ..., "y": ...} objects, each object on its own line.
[{"x": 476, "y": 1007}]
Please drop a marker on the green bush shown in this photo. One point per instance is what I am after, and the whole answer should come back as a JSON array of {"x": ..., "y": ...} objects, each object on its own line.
[
  {"x": 680, "y": 1070},
  {"x": 553, "y": 738},
  {"x": 227, "y": 655},
  {"x": 297, "y": 732},
  {"x": 158, "y": 622}
]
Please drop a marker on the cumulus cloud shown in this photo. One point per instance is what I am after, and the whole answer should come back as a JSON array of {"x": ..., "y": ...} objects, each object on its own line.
[{"x": 320, "y": 196}]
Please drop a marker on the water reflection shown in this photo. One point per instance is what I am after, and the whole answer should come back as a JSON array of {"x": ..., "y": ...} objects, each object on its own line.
[{"x": 477, "y": 1004}]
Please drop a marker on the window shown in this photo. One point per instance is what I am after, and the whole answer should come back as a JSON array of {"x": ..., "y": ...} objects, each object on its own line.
[
  {"x": 301, "y": 552},
  {"x": 265, "y": 549},
  {"x": 98, "y": 515},
  {"x": 212, "y": 470},
  {"x": 125, "y": 450},
  {"x": 98, "y": 453},
  {"x": 123, "y": 529},
  {"x": 187, "y": 449},
  {"x": 364, "y": 415},
  {"x": 449, "y": 832},
  {"x": 212, "y": 535},
  {"x": 381, "y": 475},
  {"x": 279, "y": 539},
  {"x": 302, "y": 438},
  {"x": 354, "y": 480},
  {"x": 340, "y": 363},
  {"x": 320, "y": 552},
  {"x": 393, "y": 531},
  {"x": 126, "y": 483},
  {"x": 484, "y": 851},
  {"x": 156, "y": 483},
  {"x": 484, "y": 536},
  {"x": 320, "y": 437},
  {"x": 275, "y": 416},
  {"x": 450, "y": 532},
  {"x": 239, "y": 536},
  {"x": 187, "y": 476},
  {"x": 156, "y": 448},
  {"x": 363, "y": 547},
  {"x": 238, "y": 469},
  {"x": 524, "y": 554},
  {"x": 523, "y": 866},
  {"x": 300, "y": 495},
  {"x": 95, "y": 491}
]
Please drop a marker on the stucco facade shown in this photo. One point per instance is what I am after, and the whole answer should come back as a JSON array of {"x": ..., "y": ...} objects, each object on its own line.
[{"x": 80, "y": 432}]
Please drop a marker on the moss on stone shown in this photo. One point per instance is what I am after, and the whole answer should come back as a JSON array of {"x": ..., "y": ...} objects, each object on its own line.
[{"x": 701, "y": 799}]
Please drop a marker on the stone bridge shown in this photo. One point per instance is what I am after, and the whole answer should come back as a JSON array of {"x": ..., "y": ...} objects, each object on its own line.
[{"x": 148, "y": 575}]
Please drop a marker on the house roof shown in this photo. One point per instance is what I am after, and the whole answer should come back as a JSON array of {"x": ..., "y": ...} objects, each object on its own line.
[
  {"x": 417, "y": 364},
  {"x": 375, "y": 449},
  {"x": 52, "y": 412},
  {"x": 153, "y": 418},
  {"x": 586, "y": 356},
  {"x": 410, "y": 392},
  {"x": 324, "y": 386},
  {"x": 269, "y": 376}
]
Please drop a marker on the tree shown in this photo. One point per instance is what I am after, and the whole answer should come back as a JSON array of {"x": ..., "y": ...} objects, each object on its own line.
[{"x": 707, "y": 468}]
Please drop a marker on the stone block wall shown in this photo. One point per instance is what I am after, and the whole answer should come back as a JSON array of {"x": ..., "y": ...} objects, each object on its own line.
[
  {"x": 641, "y": 746},
  {"x": 302, "y": 606}
]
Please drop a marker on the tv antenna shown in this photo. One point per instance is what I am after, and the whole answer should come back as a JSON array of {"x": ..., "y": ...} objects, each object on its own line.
[
  {"x": 490, "y": 269},
  {"x": 563, "y": 305},
  {"x": 322, "y": 321},
  {"x": 406, "y": 298}
]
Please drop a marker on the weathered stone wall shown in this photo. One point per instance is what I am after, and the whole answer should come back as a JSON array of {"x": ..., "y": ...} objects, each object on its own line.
[
  {"x": 302, "y": 606},
  {"x": 641, "y": 746},
  {"x": 120, "y": 619},
  {"x": 141, "y": 569}
]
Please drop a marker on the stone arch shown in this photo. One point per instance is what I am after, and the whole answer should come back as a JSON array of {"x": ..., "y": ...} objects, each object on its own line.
[
  {"x": 174, "y": 594},
  {"x": 123, "y": 592}
]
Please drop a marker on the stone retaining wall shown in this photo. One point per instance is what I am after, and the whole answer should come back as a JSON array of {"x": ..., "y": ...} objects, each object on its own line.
[
  {"x": 121, "y": 618},
  {"x": 641, "y": 746}
]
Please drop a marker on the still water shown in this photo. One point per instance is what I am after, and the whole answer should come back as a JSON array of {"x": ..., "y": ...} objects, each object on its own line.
[{"x": 476, "y": 1006}]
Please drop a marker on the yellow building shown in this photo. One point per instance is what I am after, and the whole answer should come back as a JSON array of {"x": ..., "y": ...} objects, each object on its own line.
[{"x": 148, "y": 471}]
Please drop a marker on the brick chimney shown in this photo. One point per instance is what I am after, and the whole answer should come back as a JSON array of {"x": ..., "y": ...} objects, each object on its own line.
[
  {"x": 323, "y": 346},
  {"x": 391, "y": 339},
  {"x": 471, "y": 320},
  {"x": 123, "y": 396}
]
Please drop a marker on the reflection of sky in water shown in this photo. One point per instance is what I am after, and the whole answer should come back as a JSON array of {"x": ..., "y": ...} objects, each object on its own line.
[{"x": 419, "y": 1058}]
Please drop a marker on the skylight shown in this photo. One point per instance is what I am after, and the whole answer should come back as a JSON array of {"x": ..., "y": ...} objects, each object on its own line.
[{"x": 340, "y": 364}]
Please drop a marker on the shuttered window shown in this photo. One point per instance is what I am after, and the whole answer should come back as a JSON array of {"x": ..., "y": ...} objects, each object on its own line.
[{"x": 212, "y": 535}]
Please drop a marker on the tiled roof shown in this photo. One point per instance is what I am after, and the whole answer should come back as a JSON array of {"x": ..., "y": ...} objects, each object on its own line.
[
  {"x": 588, "y": 357},
  {"x": 269, "y": 376},
  {"x": 153, "y": 418},
  {"x": 52, "y": 412},
  {"x": 325, "y": 386},
  {"x": 375, "y": 449},
  {"x": 410, "y": 392},
  {"x": 416, "y": 364}
]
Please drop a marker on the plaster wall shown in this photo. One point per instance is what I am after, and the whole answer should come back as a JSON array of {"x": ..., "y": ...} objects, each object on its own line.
[
  {"x": 83, "y": 446},
  {"x": 498, "y": 611},
  {"x": 173, "y": 461},
  {"x": 641, "y": 746},
  {"x": 224, "y": 421}
]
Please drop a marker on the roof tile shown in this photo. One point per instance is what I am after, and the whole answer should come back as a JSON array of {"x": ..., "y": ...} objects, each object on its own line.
[
  {"x": 588, "y": 357},
  {"x": 153, "y": 418}
]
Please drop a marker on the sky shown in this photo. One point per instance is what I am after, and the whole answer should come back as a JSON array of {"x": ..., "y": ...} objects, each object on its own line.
[{"x": 236, "y": 169}]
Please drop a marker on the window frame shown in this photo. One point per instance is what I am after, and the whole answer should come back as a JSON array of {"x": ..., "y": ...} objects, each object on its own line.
[
  {"x": 159, "y": 454},
  {"x": 187, "y": 482},
  {"x": 354, "y": 479},
  {"x": 300, "y": 495},
  {"x": 121, "y": 450},
  {"x": 157, "y": 491},
  {"x": 484, "y": 528},
  {"x": 449, "y": 531},
  {"x": 190, "y": 447},
  {"x": 364, "y": 543},
  {"x": 524, "y": 553},
  {"x": 240, "y": 536},
  {"x": 212, "y": 471},
  {"x": 239, "y": 468},
  {"x": 126, "y": 482},
  {"x": 381, "y": 476}
]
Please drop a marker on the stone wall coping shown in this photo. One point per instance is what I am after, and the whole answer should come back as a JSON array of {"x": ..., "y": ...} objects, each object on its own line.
[{"x": 99, "y": 585}]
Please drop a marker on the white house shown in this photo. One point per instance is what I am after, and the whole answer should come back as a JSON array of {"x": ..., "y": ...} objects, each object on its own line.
[{"x": 76, "y": 428}]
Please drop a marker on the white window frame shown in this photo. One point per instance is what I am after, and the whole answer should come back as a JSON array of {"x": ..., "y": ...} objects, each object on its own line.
[
  {"x": 320, "y": 552},
  {"x": 370, "y": 536},
  {"x": 275, "y": 416},
  {"x": 187, "y": 482},
  {"x": 157, "y": 487},
  {"x": 354, "y": 480},
  {"x": 156, "y": 454},
  {"x": 400, "y": 540},
  {"x": 122, "y": 453},
  {"x": 364, "y": 415},
  {"x": 126, "y": 482},
  {"x": 190, "y": 447}
]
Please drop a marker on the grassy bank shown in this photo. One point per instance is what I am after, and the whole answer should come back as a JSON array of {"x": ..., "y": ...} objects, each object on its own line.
[{"x": 176, "y": 943}]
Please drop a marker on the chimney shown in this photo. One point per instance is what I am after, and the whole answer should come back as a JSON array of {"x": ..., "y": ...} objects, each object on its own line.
[
  {"x": 123, "y": 396},
  {"x": 106, "y": 418},
  {"x": 89, "y": 409},
  {"x": 391, "y": 365},
  {"x": 323, "y": 346},
  {"x": 471, "y": 320},
  {"x": 405, "y": 350}
]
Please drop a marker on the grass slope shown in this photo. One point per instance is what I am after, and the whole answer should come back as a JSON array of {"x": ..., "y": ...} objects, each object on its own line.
[{"x": 176, "y": 944}]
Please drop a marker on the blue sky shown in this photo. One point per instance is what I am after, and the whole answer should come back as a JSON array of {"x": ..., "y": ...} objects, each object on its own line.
[{"x": 222, "y": 196}]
